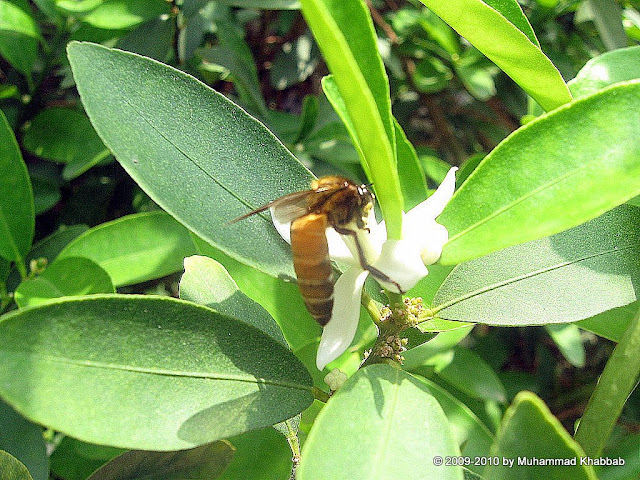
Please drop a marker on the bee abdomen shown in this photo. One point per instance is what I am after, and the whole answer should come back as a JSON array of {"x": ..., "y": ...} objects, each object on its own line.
[{"x": 312, "y": 265}]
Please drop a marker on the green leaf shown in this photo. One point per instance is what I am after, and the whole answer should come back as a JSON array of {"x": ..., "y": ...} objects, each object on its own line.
[
  {"x": 431, "y": 75},
  {"x": 295, "y": 62},
  {"x": 510, "y": 9},
  {"x": 612, "y": 323},
  {"x": 504, "y": 43},
  {"x": 280, "y": 298},
  {"x": 617, "y": 382},
  {"x": 412, "y": 180},
  {"x": 564, "y": 278},
  {"x": 206, "y": 282},
  {"x": 627, "y": 449},
  {"x": 201, "y": 463},
  {"x": 205, "y": 163},
  {"x": 567, "y": 338},
  {"x": 16, "y": 20},
  {"x": 545, "y": 438},
  {"x": 260, "y": 455},
  {"x": 417, "y": 356},
  {"x": 66, "y": 277},
  {"x": 265, "y": 4},
  {"x": 473, "y": 437},
  {"x": 76, "y": 460},
  {"x": 65, "y": 135},
  {"x": 344, "y": 32},
  {"x": 469, "y": 373},
  {"x": 233, "y": 53},
  {"x": 23, "y": 440},
  {"x": 16, "y": 199},
  {"x": 118, "y": 14},
  {"x": 381, "y": 420},
  {"x": 48, "y": 248},
  {"x": 72, "y": 7},
  {"x": 156, "y": 373},
  {"x": 12, "y": 469},
  {"x": 606, "y": 69},
  {"x": 476, "y": 73},
  {"x": 554, "y": 173},
  {"x": 135, "y": 248},
  {"x": 154, "y": 38},
  {"x": 607, "y": 16}
]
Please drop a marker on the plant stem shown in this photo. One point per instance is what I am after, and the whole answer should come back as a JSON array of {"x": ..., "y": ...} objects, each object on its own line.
[
  {"x": 616, "y": 383},
  {"x": 370, "y": 306},
  {"x": 320, "y": 395}
]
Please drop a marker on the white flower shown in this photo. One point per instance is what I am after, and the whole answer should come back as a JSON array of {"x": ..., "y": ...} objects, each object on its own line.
[{"x": 403, "y": 261}]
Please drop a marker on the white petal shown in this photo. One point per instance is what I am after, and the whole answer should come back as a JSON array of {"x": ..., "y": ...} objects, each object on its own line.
[
  {"x": 400, "y": 260},
  {"x": 283, "y": 228},
  {"x": 338, "y": 250},
  {"x": 339, "y": 332},
  {"x": 431, "y": 247},
  {"x": 433, "y": 206}
]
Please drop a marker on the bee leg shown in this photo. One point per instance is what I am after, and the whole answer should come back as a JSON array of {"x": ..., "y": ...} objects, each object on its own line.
[{"x": 363, "y": 261}]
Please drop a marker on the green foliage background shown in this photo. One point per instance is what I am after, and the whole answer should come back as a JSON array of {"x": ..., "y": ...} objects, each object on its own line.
[{"x": 121, "y": 168}]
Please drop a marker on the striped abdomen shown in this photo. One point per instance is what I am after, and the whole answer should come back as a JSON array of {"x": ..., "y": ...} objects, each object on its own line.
[{"x": 312, "y": 265}]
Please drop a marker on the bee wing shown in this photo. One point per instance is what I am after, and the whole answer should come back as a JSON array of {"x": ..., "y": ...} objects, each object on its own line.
[{"x": 286, "y": 208}]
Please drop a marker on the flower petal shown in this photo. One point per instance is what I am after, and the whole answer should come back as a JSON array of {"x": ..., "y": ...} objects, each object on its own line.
[
  {"x": 433, "y": 206},
  {"x": 400, "y": 260},
  {"x": 431, "y": 247},
  {"x": 338, "y": 249},
  {"x": 283, "y": 228},
  {"x": 339, "y": 332}
]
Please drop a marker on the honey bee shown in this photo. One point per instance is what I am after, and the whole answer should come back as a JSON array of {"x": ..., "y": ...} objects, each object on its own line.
[{"x": 332, "y": 202}]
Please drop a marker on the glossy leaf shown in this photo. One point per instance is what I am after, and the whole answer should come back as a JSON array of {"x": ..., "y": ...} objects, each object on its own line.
[
  {"x": 473, "y": 437},
  {"x": 201, "y": 463},
  {"x": 19, "y": 36},
  {"x": 259, "y": 455},
  {"x": 76, "y": 460},
  {"x": 207, "y": 153},
  {"x": 48, "y": 248},
  {"x": 154, "y": 38},
  {"x": 507, "y": 46},
  {"x": 295, "y": 62},
  {"x": 23, "y": 440},
  {"x": 511, "y": 10},
  {"x": 119, "y": 14},
  {"x": 567, "y": 338},
  {"x": 467, "y": 372},
  {"x": 412, "y": 179},
  {"x": 265, "y": 4},
  {"x": 417, "y": 356},
  {"x": 612, "y": 323},
  {"x": 203, "y": 375},
  {"x": 554, "y": 173},
  {"x": 206, "y": 282},
  {"x": 73, "y": 7},
  {"x": 371, "y": 427},
  {"x": 344, "y": 32},
  {"x": 16, "y": 199},
  {"x": 279, "y": 296},
  {"x": 65, "y": 135},
  {"x": 617, "y": 382},
  {"x": 233, "y": 53},
  {"x": 134, "y": 248},
  {"x": 558, "y": 279},
  {"x": 607, "y": 16},
  {"x": 611, "y": 67},
  {"x": 12, "y": 469},
  {"x": 67, "y": 277},
  {"x": 545, "y": 438}
]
